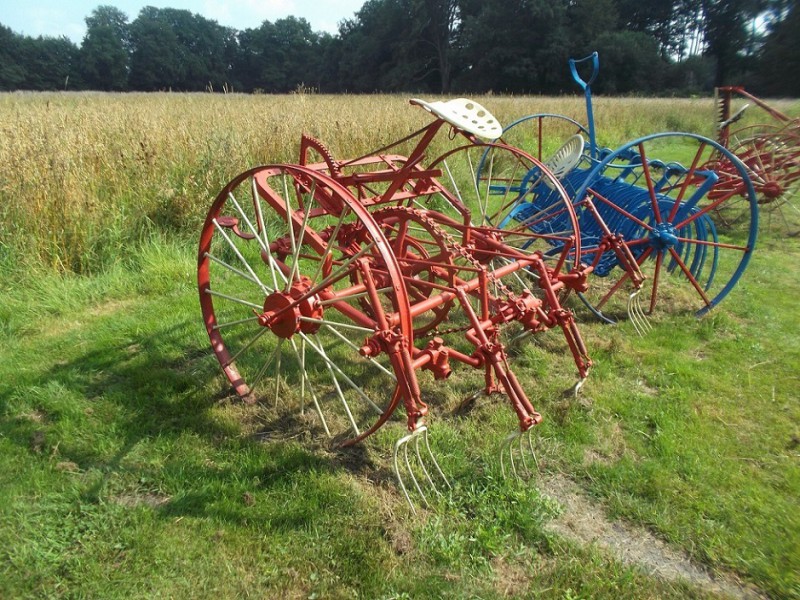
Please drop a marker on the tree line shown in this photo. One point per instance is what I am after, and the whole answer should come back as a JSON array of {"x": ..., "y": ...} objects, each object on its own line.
[{"x": 435, "y": 46}]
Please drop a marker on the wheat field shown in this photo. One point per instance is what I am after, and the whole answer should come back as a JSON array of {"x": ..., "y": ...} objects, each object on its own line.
[{"x": 87, "y": 176}]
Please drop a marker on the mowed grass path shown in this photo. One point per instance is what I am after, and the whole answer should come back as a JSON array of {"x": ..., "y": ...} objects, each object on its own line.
[{"x": 127, "y": 469}]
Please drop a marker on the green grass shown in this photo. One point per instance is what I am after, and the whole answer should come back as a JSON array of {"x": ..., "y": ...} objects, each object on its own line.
[{"x": 129, "y": 471}]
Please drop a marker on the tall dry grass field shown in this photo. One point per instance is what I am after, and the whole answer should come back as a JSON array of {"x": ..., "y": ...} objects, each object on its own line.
[{"x": 87, "y": 176}]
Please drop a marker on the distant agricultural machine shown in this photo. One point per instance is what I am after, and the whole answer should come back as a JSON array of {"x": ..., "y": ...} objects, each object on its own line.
[
  {"x": 647, "y": 223},
  {"x": 351, "y": 277},
  {"x": 771, "y": 152}
]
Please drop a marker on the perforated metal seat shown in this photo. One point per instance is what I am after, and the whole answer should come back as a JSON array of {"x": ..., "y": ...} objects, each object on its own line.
[
  {"x": 465, "y": 114},
  {"x": 567, "y": 157}
]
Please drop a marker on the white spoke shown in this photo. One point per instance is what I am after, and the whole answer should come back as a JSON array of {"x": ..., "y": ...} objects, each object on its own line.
[
  {"x": 222, "y": 263},
  {"x": 296, "y": 256},
  {"x": 278, "y": 371},
  {"x": 270, "y": 260},
  {"x": 453, "y": 182},
  {"x": 290, "y": 223},
  {"x": 336, "y": 324},
  {"x": 305, "y": 381},
  {"x": 232, "y": 299},
  {"x": 239, "y": 254},
  {"x": 246, "y": 346},
  {"x": 342, "y": 268},
  {"x": 263, "y": 370},
  {"x": 356, "y": 348},
  {"x": 485, "y": 207},
  {"x": 332, "y": 365},
  {"x": 232, "y": 323},
  {"x": 232, "y": 198}
]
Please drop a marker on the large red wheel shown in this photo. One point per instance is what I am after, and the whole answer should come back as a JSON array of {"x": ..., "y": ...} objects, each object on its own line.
[
  {"x": 513, "y": 197},
  {"x": 287, "y": 261}
]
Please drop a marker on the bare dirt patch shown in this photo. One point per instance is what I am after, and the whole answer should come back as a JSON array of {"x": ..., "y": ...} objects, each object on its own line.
[
  {"x": 133, "y": 500},
  {"x": 585, "y": 522}
]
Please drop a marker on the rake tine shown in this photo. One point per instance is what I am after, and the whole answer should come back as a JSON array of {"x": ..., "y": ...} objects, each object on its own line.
[
  {"x": 402, "y": 443},
  {"x": 533, "y": 452},
  {"x": 637, "y": 315},
  {"x": 433, "y": 459},
  {"x": 645, "y": 318},
  {"x": 526, "y": 470},
  {"x": 422, "y": 466},
  {"x": 573, "y": 391},
  {"x": 506, "y": 444},
  {"x": 411, "y": 472},
  {"x": 632, "y": 316}
]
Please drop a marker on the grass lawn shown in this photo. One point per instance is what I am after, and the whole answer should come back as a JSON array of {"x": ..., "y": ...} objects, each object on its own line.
[{"x": 129, "y": 470}]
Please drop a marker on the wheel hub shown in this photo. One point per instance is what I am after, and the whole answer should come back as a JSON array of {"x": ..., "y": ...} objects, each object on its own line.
[
  {"x": 771, "y": 190},
  {"x": 663, "y": 236},
  {"x": 283, "y": 313}
]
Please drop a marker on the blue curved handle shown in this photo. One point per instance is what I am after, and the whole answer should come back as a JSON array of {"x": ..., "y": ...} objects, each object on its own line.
[
  {"x": 586, "y": 86},
  {"x": 573, "y": 62}
]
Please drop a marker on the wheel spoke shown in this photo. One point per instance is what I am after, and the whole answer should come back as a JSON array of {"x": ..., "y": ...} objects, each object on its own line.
[
  {"x": 265, "y": 245},
  {"x": 334, "y": 367},
  {"x": 233, "y": 247},
  {"x": 231, "y": 268},
  {"x": 233, "y": 299},
  {"x": 296, "y": 255}
]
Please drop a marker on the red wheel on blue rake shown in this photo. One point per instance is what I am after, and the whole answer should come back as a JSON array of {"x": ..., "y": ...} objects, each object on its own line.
[
  {"x": 690, "y": 233},
  {"x": 287, "y": 260}
]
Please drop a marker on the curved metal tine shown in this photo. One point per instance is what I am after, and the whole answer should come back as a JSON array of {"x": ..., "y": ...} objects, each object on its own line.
[
  {"x": 507, "y": 445},
  {"x": 577, "y": 387},
  {"x": 532, "y": 450},
  {"x": 515, "y": 443},
  {"x": 643, "y": 315},
  {"x": 403, "y": 443},
  {"x": 424, "y": 435},
  {"x": 636, "y": 314},
  {"x": 435, "y": 462},
  {"x": 630, "y": 308}
]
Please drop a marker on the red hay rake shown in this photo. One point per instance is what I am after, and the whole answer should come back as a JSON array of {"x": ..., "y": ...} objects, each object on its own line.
[
  {"x": 347, "y": 278},
  {"x": 770, "y": 151}
]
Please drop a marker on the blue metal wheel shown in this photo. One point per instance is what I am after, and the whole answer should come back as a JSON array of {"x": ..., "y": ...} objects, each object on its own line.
[{"x": 690, "y": 238}]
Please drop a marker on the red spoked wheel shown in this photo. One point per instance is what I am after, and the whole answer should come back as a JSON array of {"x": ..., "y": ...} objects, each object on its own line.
[
  {"x": 773, "y": 163},
  {"x": 688, "y": 221},
  {"x": 287, "y": 261},
  {"x": 513, "y": 197}
]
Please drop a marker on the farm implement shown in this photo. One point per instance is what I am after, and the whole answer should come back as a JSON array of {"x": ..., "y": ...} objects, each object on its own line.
[
  {"x": 349, "y": 278},
  {"x": 652, "y": 229},
  {"x": 771, "y": 152}
]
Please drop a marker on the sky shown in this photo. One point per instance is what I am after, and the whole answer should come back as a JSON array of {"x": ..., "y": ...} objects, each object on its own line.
[{"x": 66, "y": 17}]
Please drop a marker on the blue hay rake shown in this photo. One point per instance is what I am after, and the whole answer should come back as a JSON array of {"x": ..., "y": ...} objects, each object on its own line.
[{"x": 652, "y": 228}]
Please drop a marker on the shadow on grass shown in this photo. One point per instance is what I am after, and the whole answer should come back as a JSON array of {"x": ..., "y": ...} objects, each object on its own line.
[{"x": 131, "y": 407}]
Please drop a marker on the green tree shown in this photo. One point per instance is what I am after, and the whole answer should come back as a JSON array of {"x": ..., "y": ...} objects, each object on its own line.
[
  {"x": 12, "y": 72},
  {"x": 279, "y": 57},
  {"x": 105, "y": 49},
  {"x": 176, "y": 49},
  {"x": 780, "y": 55},
  {"x": 514, "y": 46}
]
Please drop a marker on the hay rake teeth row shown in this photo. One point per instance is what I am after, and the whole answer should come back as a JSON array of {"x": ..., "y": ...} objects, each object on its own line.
[
  {"x": 653, "y": 229},
  {"x": 348, "y": 278}
]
